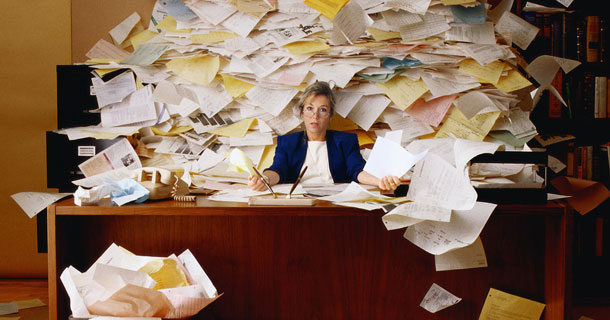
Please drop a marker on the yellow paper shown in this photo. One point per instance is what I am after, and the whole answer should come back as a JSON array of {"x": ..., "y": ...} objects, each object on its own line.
[
  {"x": 142, "y": 37},
  {"x": 329, "y": 8},
  {"x": 339, "y": 123},
  {"x": 502, "y": 305},
  {"x": 455, "y": 2},
  {"x": 403, "y": 91},
  {"x": 235, "y": 87},
  {"x": 138, "y": 28},
  {"x": 382, "y": 35},
  {"x": 303, "y": 47},
  {"x": 169, "y": 24},
  {"x": 212, "y": 37},
  {"x": 33, "y": 303},
  {"x": 166, "y": 272},
  {"x": 267, "y": 158},
  {"x": 363, "y": 137},
  {"x": 252, "y": 6},
  {"x": 103, "y": 61},
  {"x": 475, "y": 128},
  {"x": 237, "y": 129},
  {"x": 200, "y": 69},
  {"x": 370, "y": 44},
  {"x": 107, "y": 135},
  {"x": 102, "y": 72},
  {"x": 513, "y": 81},
  {"x": 172, "y": 132},
  {"x": 242, "y": 162},
  {"x": 490, "y": 72}
]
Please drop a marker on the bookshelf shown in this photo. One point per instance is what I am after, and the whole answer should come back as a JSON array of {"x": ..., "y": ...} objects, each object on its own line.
[{"x": 580, "y": 34}]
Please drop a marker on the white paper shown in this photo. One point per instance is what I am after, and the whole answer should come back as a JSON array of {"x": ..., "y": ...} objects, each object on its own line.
[
  {"x": 472, "y": 256},
  {"x": 390, "y": 159},
  {"x": 437, "y": 299},
  {"x": 476, "y": 33},
  {"x": 119, "y": 155},
  {"x": 410, "y": 213},
  {"x": 122, "y": 30},
  {"x": 436, "y": 182},
  {"x": 34, "y": 202},
  {"x": 272, "y": 100},
  {"x": 352, "y": 21},
  {"x": 431, "y": 25},
  {"x": 519, "y": 31},
  {"x": 368, "y": 109},
  {"x": 137, "y": 107},
  {"x": 354, "y": 192},
  {"x": 114, "y": 90},
  {"x": 440, "y": 237}
]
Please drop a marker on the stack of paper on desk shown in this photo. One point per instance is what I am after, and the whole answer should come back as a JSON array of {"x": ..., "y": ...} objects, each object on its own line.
[{"x": 122, "y": 284}]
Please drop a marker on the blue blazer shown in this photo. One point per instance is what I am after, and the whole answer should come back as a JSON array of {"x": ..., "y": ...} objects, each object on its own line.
[{"x": 344, "y": 158}]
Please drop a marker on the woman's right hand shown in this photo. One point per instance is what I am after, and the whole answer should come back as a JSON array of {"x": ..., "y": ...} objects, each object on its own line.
[{"x": 255, "y": 183}]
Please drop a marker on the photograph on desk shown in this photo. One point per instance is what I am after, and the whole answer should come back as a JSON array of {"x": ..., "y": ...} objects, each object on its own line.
[{"x": 424, "y": 111}]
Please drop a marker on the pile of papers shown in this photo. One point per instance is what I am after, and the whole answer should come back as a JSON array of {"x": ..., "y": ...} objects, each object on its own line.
[
  {"x": 121, "y": 284},
  {"x": 207, "y": 77}
]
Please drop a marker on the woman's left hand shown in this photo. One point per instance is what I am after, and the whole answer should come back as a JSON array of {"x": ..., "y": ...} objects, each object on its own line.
[{"x": 389, "y": 183}]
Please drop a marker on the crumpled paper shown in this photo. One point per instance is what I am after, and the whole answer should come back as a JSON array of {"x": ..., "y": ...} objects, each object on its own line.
[
  {"x": 113, "y": 286},
  {"x": 121, "y": 192}
]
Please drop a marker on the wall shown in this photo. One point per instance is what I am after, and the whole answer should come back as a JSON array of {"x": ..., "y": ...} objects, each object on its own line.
[
  {"x": 91, "y": 21},
  {"x": 38, "y": 35},
  {"x": 35, "y": 37}
]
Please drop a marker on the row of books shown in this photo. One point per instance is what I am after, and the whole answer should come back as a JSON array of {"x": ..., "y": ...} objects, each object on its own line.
[
  {"x": 586, "y": 95},
  {"x": 569, "y": 35},
  {"x": 589, "y": 162}
]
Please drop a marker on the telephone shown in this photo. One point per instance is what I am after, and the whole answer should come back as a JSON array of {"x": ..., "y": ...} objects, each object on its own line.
[{"x": 159, "y": 182}]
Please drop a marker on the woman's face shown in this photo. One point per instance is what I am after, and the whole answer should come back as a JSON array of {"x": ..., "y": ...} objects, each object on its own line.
[{"x": 316, "y": 115}]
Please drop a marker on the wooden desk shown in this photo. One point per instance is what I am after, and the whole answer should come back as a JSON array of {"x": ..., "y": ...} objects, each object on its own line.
[{"x": 322, "y": 262}]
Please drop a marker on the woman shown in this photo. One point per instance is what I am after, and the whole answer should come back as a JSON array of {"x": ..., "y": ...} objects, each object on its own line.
[{"x": 330, "y": 156}]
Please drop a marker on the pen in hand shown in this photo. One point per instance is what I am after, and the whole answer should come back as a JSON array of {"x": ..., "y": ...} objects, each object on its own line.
[{"x": 260, "y": 176}]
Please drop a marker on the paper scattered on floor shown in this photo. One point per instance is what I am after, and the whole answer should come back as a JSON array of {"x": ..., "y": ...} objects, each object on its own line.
[
  {"x": 32, "y": 303},
  {"x": 437, "y": 299},
  {"x": 8, "y": 308},
  {"x": 502, "y": 305}
]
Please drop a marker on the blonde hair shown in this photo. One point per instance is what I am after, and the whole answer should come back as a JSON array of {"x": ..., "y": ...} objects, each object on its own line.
[{"x": 315, "y": 89}]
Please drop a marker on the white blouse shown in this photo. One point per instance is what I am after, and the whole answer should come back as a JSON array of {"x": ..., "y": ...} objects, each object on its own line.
[{"x": 316, "y": 160}]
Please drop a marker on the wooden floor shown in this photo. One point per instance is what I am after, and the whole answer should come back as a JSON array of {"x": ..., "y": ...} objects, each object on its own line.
[{"x": 26, "y": 289}]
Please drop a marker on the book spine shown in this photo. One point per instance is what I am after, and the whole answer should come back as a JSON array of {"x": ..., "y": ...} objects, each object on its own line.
[
  {"x": 596, "y": 96},
  {"x": 579, "y": 158},
  {"x": 547, "y": 34},
  {"x": 581, "y": 40},
  {"x": 603, "y": 41},
  {"x": 603, "y": 97},
  {"x": 570, "y": 161},
  {"x": 607, "y": 98},
  {"x": 588, "y": 96},
  {"x": 592, "y": 38}
]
